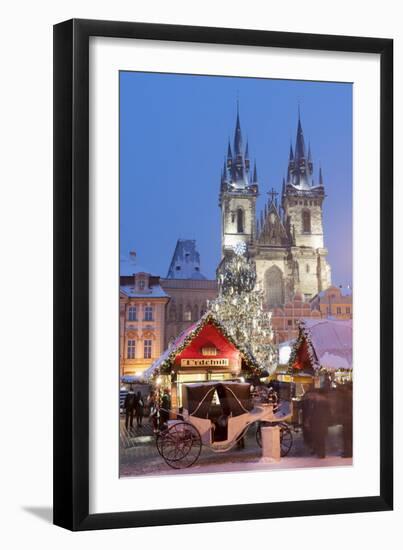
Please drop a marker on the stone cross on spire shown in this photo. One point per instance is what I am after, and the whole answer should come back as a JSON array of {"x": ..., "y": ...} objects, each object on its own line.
[{"x": 272, "y": 194}]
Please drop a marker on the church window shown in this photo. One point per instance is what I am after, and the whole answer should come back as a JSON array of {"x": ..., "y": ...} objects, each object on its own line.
[
  {"x": 239, "y": 221},
  {"x": 306, "y": 221},
  {"x": 307, "y": 268},
  {"x": 132, "y": 313},
  {"x": 131, "y": 349},
  {"x": 178, "y": 268},
  {"x": 274, "y": 286}
]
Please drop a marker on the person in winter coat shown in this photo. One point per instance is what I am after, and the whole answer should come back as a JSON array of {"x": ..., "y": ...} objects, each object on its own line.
[
  {"x": 320, "y": 423},
  {"x": 130, "y": 407},
  {"x": 165, "y": 407},
  {"x": 154, "y": 410},
  {"x": 139, "y": 409}
]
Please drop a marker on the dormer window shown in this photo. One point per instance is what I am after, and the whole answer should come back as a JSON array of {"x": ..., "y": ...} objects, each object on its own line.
[{"x": 142, "y": 284}]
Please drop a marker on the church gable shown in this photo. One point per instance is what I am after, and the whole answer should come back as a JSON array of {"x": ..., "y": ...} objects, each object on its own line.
[{"x": 272, "y": 231}]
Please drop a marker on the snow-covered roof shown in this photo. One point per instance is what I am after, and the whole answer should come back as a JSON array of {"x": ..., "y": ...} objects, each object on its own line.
[
  {"x": 180, "y": 342},
  {"x": 331, "y": 340},
  {"x": 154, "y": 291},
  {"x": 185, "y": 263}
]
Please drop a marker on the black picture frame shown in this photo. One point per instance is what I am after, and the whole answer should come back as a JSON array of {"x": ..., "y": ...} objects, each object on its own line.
[{"x": 71, "y": 274}]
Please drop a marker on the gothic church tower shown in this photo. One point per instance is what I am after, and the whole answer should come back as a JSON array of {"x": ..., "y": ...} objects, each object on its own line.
[
  {"x": 238, "y": 192},
  {"x": 286, "y": 240}
]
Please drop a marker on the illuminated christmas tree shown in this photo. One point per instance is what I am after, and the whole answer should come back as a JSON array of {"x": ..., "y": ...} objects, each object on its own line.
[{"x": 239, "y": 307}]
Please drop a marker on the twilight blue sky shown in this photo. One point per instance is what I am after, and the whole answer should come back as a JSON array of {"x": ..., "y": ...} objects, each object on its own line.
[{"x": 174, "y": 131}]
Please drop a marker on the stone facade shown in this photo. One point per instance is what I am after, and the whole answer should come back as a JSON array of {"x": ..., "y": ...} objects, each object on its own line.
[
  {"x": 188, "y": 289},
  {"x": 286, "y": 240},
  {"x": 188, "y": 302}
]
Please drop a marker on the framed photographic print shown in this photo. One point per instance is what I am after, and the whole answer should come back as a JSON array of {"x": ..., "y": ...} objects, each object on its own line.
[{"x": 223, "y": 274}]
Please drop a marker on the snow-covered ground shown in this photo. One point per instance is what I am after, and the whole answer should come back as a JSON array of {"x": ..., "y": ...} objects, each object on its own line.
[{"x": 143, "y": 459}]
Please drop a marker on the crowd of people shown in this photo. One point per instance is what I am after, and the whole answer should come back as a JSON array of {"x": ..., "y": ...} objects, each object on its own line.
[{"x": 156, "y": 406}]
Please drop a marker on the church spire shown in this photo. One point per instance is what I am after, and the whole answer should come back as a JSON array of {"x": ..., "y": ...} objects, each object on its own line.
[
  {"x": 300, "y": 166},
  {"x": 299, "y": 142},
  {"x": 238, "y": 134}
]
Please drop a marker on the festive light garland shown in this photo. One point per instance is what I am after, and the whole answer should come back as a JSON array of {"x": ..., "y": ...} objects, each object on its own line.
[
  {"x": 238, "y": 313},
  {"x": 208, "y": 318}
]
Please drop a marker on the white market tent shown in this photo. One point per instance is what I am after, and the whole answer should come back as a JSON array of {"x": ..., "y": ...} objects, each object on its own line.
[{"x": 330, "y": 342}]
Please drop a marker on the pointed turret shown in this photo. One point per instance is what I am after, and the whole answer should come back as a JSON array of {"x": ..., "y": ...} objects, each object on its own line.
[
  {"x": 320, "y": 177},
  {"x": 247, "y": 162},
  {"x": 291, "y": 156},
  {"x": 254, "y": 173}
]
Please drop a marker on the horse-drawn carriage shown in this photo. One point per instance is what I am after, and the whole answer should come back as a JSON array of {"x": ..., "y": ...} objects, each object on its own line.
[{"x": 217, "y": 415}]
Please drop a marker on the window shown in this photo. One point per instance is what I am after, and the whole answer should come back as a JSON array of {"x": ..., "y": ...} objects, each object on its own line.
[
  {"x": 147, "y": 349},
  {"x": 142, "y": 284},
  {"x": 348, "y": 310},
  {"x": 188, "y": 314},
  {"x": 306, "y": 221},
  {"x": 131, "y": 349},
  {"x": 289, "y": 322},
  {"x": 338, "y": 310},
  {"x": 132, "y": 313},
  {"x": 148, "y": 313},
  {"x": 307, "y": 268},
  {"x": 239, "y": 220},
  {"x": 172, "y": 312},
  {"x": 274, "y": 286}
]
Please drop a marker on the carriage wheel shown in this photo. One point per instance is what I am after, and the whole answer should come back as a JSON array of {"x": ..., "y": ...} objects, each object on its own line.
[
  {"x": 286, "y": 438},
  {"x": 180, "y": 445}
]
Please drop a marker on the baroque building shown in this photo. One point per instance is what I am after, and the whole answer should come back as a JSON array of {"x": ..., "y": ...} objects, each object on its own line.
[
  {"x": 286, "y": 239},
  {"x": 336, "y": 302},
  {"x": 141, "y": 317}
]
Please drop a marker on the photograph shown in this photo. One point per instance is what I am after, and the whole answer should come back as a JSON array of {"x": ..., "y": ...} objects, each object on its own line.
[{"x": 236, "y": 274}]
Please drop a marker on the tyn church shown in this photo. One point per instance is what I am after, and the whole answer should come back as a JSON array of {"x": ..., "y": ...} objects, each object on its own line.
[{"x": 286, "y": 239}]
